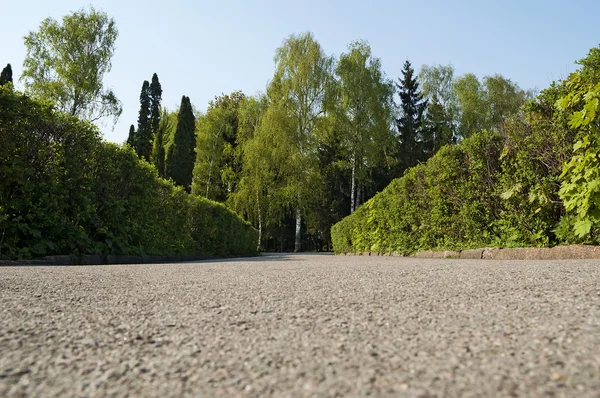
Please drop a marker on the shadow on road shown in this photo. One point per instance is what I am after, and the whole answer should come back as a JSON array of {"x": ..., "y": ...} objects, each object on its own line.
[{"x": 267, "y": 257}]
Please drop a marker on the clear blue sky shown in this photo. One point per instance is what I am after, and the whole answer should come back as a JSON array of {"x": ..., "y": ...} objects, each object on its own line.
[{"x": 205, "y": 48}]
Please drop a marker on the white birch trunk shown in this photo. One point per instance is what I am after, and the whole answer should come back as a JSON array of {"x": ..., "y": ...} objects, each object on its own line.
[
  {"x": 297, "y": 242},
  {"x": 259, "y": 223},
  {"x": 353, "y": 190}
]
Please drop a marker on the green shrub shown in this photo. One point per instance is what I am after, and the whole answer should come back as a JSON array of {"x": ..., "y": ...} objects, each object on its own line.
[
  {"x": 446, "y": 203},
  {"x": 64, "y": 191},
  {"x": 537, "y": 184}
]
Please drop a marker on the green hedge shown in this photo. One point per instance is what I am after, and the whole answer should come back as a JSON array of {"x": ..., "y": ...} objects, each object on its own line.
[
  {"x": 446, "y": 203},
  {"x": 64, "y": 191},
  {"x": 538, "y": 184}
]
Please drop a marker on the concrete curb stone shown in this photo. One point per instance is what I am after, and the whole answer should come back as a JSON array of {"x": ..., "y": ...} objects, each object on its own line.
[{"x": 567, "y": 252}]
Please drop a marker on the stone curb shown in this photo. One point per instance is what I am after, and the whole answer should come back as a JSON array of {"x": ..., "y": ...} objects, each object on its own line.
[
  {"x": 106, "y": 260},
  {"x": 571, "y": 252}
]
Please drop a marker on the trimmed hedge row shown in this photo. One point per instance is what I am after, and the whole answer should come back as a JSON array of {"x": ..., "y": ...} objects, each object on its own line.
[
  {"x": 537, "y": 185},
  {"x": 65, "y": 191},
  {"x": 446, "y": 203}
]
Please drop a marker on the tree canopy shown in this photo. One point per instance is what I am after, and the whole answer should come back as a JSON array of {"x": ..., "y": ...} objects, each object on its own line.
[{"x": 66, "y": 62}]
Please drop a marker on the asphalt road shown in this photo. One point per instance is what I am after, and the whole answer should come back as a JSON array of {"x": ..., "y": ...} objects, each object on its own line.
[{"x": 303, "y": 325}]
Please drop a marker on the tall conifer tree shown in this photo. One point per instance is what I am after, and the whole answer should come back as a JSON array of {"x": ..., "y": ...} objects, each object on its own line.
[
  {"x": 182, "y": 152},
  {"x": 131, "y": 136},
  {"x": 155, "y": 94},
  {"x": 158, "y": 146},
  {"x": 412, "y": 130},
  {"x": 143, "y": 142},
  {"x": 6, "y": 75}
]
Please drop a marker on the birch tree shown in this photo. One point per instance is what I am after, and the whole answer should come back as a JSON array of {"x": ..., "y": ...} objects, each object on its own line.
[
  {"x": 364, "y": 113},
  {"x": 212, "y": 130},
  {"x": 302, "y": 76},
  {"x": 66, "y": 63},
  {"x": 258, "y": 197}
]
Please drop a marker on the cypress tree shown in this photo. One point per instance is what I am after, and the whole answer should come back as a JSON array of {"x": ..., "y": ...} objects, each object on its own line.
[
  {"x": 182, "y": 152},
  {"x": 155, "y": 94},
  {"x": 412, "y": 130},
  {"x": 143, "y": 141},
  {"x": 6, "y": 75},
  {"x": 158, "y": 150},
  {"x": 158, "y": 146},
  {"x": 131, "y": 136}
]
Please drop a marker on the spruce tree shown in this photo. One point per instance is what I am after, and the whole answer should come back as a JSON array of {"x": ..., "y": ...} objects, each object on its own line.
[
  {"x": 143, "y": 141},
  {"x": 412, "y": 130},
  {"x": 131, "y": 136},
  {"x": 6, "y": 75},
  {"x": 182, "y": 152}
]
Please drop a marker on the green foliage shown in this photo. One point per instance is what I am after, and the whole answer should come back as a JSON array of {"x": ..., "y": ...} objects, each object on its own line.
[
  {"x": 131, "y": 136},
  {"x": 442, "y": 112},
  {"x": 534, "y": 151},
  {"x": 155, "y": 96},
  {"x": 218, "y": 159},
  {"x": 211, "y": 148},
  {"x": 181, "y": 153},
  {"x": 536, "y": 184},
  {"x": 142, "y": 142},
  {"x": 216, "y": 230},
  {"x": 473, "y": 110},
  {"x": 302, "y": 75},
  {"x": 6, "y": 75},
  {"x": 362, "y": 115},
  {"x": 487, "y": 104},
  {"x": 415, "y": 144},
  {"x": 159, "y": 144},
  {"x": 580, "y": 189},
  {"x": 64, "y": 191},
  {"x": 66, "y": 62},
  {"x": 446, "y": 203}
]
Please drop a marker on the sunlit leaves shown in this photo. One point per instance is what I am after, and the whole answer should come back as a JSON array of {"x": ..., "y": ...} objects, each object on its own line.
[{"x": 66, "y": 62}]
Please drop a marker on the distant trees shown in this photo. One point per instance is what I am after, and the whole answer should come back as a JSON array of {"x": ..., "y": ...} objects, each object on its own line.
[
  {"x": 66, "y": 63},
  {"x": 180, "y": 158},
  {"x": 461, "y": 106},
  {"x": 442, "y": 107},
  {"x": 327, "y": 136},
  {"x": 324, "y": 138},
  {"x": 6, "y": 75},
  {"x": 148, "y": 123}
]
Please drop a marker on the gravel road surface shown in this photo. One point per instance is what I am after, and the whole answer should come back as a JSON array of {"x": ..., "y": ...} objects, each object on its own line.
[{"x": 303, "y": 325}]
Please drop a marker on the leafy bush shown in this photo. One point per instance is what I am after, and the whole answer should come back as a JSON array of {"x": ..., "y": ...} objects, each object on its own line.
[
  {"x": 537, "y": 184},
  {"x": 536, "y": 147},
  {"x": 580, "y": 178},
  {"x": 64, "y": 191},
  {"x": 446, "y": 203}
]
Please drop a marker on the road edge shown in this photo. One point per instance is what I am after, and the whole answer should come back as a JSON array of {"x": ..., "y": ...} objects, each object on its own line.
[{"x": 569, "y": 252}]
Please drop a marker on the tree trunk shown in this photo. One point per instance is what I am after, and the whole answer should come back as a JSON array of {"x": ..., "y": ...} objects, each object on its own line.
[
  {"x": 298, "y": 242},
  {"x": 259, "y": 223},
  {"x": 353, "y": 190}
]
